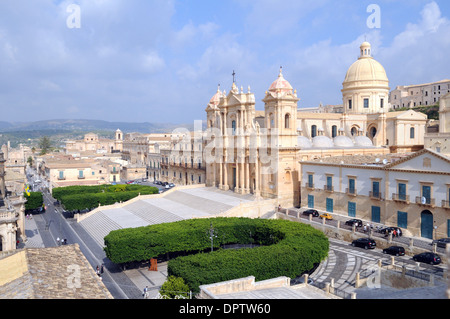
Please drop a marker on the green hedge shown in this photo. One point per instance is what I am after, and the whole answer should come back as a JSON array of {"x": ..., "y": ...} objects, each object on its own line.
[
  {"x": 34, "y": 201},
  {"x": 287, "y": 248},
  {"x": 82, "y": 197}
]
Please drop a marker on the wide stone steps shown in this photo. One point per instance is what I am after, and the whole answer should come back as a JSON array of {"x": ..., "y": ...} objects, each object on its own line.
[{"x": 98, "y": 226}]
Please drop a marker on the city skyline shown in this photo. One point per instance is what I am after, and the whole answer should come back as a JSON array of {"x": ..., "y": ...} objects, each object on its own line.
[{"x": 154, "y": 61}]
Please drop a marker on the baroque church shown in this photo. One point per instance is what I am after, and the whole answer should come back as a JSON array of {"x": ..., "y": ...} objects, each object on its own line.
[{"x": 259, "y": 152}]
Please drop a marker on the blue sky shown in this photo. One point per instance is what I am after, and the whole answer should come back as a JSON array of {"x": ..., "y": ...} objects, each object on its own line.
[{"x": 161, "y": 60}]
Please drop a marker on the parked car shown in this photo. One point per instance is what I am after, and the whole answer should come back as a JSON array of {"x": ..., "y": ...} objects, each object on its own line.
[
  {"x": 167, "y": 186},
  {"x": 326, "y": 216},
  {"x": 312, "y": 212},
  {"x": 442, "y": 242},
  {"x": 171, "y": 185},
  {"x": 429, "y": 258},
  {"x": 357, "y": 222},
  {"x": 394, "y": 250},
  {"x": 365, "y": 243},
  {"x": 130, "y": 182}
]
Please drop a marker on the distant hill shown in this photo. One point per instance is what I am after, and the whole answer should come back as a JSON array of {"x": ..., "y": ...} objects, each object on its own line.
[
  {"x": 29, "y": 133},
  {"x": 91, "y": 125}
]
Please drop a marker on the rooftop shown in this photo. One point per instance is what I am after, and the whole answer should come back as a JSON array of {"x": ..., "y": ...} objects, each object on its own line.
[{"x": 50, "y": 273}]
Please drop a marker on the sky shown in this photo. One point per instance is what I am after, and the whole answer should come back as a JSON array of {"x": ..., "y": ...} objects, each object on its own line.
[{"x": 161, "y": 61}]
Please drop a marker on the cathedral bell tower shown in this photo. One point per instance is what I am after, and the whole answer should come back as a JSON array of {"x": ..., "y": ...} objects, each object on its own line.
[{"x": 281, "y": 173}]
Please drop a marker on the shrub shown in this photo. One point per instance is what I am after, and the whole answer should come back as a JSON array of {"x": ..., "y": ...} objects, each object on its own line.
[
  {"x": 82, "y": 197},
  {"x": 286, "y": 248},
  {"x": 174, "y": 287},
  {"x": 34, "y": 201}
]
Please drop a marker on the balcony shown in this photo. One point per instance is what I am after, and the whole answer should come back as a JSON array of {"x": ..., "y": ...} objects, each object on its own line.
[
  {"x": 328, "y": 188},
  {"x": 446, "y": 204},
  {"x": 81, "y": 177},
  {"x": 309, "y": 186},
  {"x": 426, "y": 201},
  {"x": 375, "y": 195},
  {"x": 351, "y": 191},
  {"x": 7, "y": 216},
  {"x": 401, "y": 198},
  {"x": 61, "y": 178}
]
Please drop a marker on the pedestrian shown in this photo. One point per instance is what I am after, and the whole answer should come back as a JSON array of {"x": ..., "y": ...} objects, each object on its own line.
[
  {"x": 101, "y": 269},
  {"x": 145, "y": 294},
  {"x": 57, "y": 240},
  {"x": 394, "y": 233},
  {"x": 365, "y": 227}
]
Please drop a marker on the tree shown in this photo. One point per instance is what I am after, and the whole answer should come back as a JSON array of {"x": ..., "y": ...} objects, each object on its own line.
[
  {"x": 30, "y": 161},
  {"x": 45, "y": 144},
  {"x": 174, "y": 287}
]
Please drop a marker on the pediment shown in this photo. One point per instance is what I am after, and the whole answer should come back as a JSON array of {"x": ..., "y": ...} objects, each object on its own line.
[{"x": 425, "y": 160}]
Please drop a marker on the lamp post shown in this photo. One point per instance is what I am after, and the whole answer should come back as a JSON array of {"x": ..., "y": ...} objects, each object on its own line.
[{"x": 212, "y": 234}]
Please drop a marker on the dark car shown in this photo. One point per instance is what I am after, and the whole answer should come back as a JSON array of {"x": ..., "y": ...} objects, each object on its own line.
[
  {"x": 429, "y": 258},
  {"x": 313, "y": 212},
  {"x": 394, "y": 250},
  {"x": 365, "y": 243},
  {"x": 442, "y": 242},
  {"x": 356, "y": 222},
  {"x": 388, "y": 230}
]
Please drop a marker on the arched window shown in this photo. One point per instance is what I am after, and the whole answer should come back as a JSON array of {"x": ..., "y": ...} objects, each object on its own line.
[
  {"x": 314, "y": 131},
  {"x": 287, "y": 119},
  {"x": 333, "y": 131},
  {"x": 411, "y": 132}
]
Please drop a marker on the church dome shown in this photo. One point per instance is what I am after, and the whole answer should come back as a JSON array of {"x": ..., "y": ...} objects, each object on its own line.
[
  {"x": 343, "y": 141},
  {"x": 280, "y": 84},
  {"x": 303, "y": 142},
  {"x": 322, "y": 142},
  {"x": 363, "y": 141},
  {"x": 366, "y": 69}
]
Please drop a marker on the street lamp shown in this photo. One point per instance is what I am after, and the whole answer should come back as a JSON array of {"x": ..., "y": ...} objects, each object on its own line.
[{"x": 212, "y": 234}]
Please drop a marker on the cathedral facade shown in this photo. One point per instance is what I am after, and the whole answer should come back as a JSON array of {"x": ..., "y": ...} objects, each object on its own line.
[{"x": 259, "y": 152}]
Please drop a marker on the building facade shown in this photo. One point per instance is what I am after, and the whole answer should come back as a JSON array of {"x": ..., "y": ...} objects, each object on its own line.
[
  {"x": 440, "y": 142},
  {"x": 408, "y": 96},
  {"x": 411, "y": 191},
  {"x": 250, "y": 151}
]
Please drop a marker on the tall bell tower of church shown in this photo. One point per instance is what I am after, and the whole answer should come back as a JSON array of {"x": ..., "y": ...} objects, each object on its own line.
[{"x": 280, "y": 173}]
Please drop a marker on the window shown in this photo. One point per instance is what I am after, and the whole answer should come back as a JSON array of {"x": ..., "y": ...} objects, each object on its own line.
[
  {"x": 199, "y": 179},
  {"x": 381, "y": 103},
  {"x": 376, "y": 189},
  {"x": 310, "y": 181},
  {"x": 329, "y": 186},
  {"x": 61, "y": 175},
  {"x": 426, "y": 194},
  {"x": 376, "y": 214},
  {"x": 349, "y": 104},
  {"x": 310, "y": 201},
  {"x": 329, "y": 205},
  {"x": 402, "y": 191},
  {"x": 366, "y": 103},
  {"x": 411, "y": 132},
  {"x": 314, "y": 131},
  {"x": 287, "y": 119},
  {"x": 333, "y": 131},
  {"x": 80, "y": 174},
  {"x": 351, "y": 186},
  {"x": 351, "y": 209},
  {"x": 233, "y": 127},
  {"x": 402, "y": 219}
]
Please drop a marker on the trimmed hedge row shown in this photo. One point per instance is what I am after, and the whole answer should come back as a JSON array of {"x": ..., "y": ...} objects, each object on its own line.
[
  {"x": 34, "y": 201},
  {"x": 82, "y": 197},
  {"x": 287, "y": 248}
]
